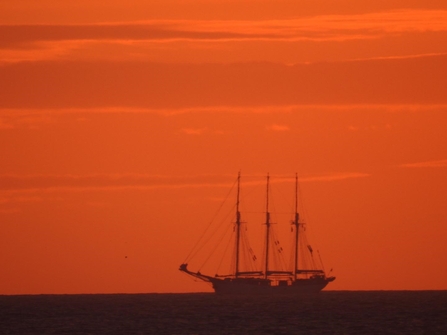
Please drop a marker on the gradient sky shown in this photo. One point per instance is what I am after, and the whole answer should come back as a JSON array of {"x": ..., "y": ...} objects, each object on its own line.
[{"x": 123, "y": 125}]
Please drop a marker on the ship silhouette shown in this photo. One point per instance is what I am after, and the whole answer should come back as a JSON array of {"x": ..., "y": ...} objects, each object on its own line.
[{"x": 304, "y": 276}]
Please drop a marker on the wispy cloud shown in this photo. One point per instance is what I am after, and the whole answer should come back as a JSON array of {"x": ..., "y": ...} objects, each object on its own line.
[
  {"x": 193, "y": 131},
  {"x": 317, "y": 27},
  {"x": 335, "y": 177},
  {"x": 40, "y": 42},
  {"x": 259, "y": 179},
  {"x": 427, "y": 164},
  {"x": 272, "y": 109},
  {"x": 17, "y": 185},
  {"x": 32, "y": 117},
  {"x": 39, "y": 50},
  {"x": 14, "y": 199},
  {"x": 278, "y": 127},
  {"x": 96, "y": 182}
]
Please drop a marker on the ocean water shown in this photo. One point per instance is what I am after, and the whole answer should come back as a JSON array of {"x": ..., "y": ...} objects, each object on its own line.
[{"x": 336, "y": 312}]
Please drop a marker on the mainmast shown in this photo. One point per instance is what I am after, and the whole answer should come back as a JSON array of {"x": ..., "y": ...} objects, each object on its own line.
[
  {"x": 267, "y": 234},
  {"x": 296, "y": 224},
  {"x": 238, "y": 226}
]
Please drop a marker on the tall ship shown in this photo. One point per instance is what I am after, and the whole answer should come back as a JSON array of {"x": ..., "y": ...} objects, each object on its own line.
[{"x": 304, "y": 275}]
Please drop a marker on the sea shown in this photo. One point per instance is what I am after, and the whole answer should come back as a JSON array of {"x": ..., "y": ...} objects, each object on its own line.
[{"x": 328, "y": 312}]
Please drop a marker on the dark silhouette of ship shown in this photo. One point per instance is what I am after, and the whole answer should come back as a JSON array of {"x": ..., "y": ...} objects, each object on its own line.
[{"x": 298, "y": 280}]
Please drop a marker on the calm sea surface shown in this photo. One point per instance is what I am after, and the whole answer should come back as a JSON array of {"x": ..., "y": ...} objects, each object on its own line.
[{"x": 347, "y": 312}]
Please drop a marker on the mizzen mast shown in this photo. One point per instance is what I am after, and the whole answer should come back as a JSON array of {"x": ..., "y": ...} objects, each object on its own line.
[
  {"x": 267, "y": 232},
  {"x": 296, "y": 224},
  {"x": 238, "y": 227}
]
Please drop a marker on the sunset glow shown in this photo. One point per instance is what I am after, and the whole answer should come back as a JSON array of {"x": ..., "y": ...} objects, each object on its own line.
[{"x": 122, "y": 127}]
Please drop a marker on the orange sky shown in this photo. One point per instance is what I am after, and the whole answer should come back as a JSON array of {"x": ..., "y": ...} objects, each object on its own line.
[{"x": 122, "y": 125}]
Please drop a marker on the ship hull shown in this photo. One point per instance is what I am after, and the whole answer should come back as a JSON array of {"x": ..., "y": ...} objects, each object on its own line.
[{"x": 299, "y": 287}]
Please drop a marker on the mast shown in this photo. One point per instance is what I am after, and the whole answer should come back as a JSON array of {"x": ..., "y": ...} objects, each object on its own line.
[
  {"x": 238, "y": 226},
  {"x": 267, "y": 234},
  {"x": 296, "y": 224}
]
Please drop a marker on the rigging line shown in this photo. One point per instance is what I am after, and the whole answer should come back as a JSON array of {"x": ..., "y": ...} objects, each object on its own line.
[
  {"x": 215, "y": 247},
  {"x": 321, "y": 261},
  {"x": 225, "y": 219},
  {"x": 305, "y": 214},
  {"x": 245, "y": 265},
  {"x": 247, "y": 254},
  {"x": 291, "y": 251},
  {"x": 309, "y": 229},
  {"x": 251, "y": 188},
  {"x": 285, "y": 199},
  {"x": 250, "y": 253},
  {"x": 210, "y": 223},
  {"x": 223, "y": 256},
  {"x": 272, "y": 207},
  {"x": 310, "y": 257},
  {"x": 278, "y": 256}
]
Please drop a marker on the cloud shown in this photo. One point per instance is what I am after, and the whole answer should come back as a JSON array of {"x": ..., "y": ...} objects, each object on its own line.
[
  {"x": 335, "y": 177},
  {"x": 313, "y": 28},
  {"x": 429, "y": 54},
  {"x": 35, "y": 117},
  {"x": 193, "y": 131},
  {"x": 40, "y": 42},
  {"x": 39, "y": 50},
  {"x": 94, "y": 182},
  {"x": 258, "y": 179},
  {"x": 426, "y": 164},
  {"x": 29, "y": 184},
  {"x": 26, "y": 199},
  {"x": 278, "y": 127}
]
